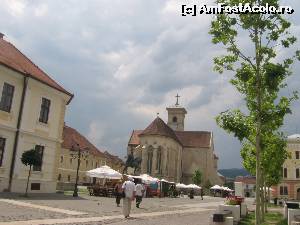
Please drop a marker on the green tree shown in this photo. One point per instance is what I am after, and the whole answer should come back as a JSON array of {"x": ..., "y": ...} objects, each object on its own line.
[
  {"x": 30, "y": 158},
  {"x": 259, "y": 75},
  {"x": 274, "y": 153},
  {"x": 197, "y": 177}
]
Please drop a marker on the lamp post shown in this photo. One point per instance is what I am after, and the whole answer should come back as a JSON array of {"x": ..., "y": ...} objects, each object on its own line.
[{"x": 78, "y": 156}]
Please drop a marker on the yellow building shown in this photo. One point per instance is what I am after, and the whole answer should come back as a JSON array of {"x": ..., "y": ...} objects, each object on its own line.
[
  {"x": 91, "y": 158},
  {"x": 290, "y": 185},
  {"x": 32, "y": 111}
]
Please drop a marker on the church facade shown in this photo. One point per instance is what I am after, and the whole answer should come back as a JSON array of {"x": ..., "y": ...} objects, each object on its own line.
[{"x": 168, "y": 151}]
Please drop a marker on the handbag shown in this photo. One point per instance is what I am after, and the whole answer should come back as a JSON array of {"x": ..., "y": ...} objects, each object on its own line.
[{"x": 123, "y": 195}]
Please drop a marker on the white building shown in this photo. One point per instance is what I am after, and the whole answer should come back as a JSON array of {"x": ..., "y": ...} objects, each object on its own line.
[
  {"x": 289, "y": 187},
  {"x": 32, "y": 111}
]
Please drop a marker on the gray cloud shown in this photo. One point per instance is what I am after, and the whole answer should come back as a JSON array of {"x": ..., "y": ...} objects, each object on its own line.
[{"x": 125, "y": 61}]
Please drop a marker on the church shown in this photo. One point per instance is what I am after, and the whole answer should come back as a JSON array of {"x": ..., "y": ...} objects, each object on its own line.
[{"x": 170, "y": 152}]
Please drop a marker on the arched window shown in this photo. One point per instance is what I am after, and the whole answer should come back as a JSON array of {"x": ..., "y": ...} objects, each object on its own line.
[
  {"x": 69, "y": 178},
  {"x": 59, "y": 177},
  {"x": 174, "y": 119},
  {"x": 149, "y": 160},
  {"x": 158, "y": 162}
]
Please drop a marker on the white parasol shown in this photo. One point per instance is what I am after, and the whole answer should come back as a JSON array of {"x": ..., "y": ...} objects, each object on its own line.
[
  {"x": 216, "y": 187},
  {"x": 104, "y": 172}
]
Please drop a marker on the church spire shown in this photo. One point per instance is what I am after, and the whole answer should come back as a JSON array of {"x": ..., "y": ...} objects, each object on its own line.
[
  {"x": 176, "y": 115},
  {"x": 177, "y": 98}
]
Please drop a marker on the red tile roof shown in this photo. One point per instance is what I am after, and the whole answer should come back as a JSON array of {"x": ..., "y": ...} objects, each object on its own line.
[
  {"x": 71, "y": 137},
  {"x": 196, "y": 139},
  {"x": 11, "y": 57},
  {"x": 134, "y": 139},
  {"x": 159, "y": 127},
  {"x": 246, "y": 180},
  {"x": 114, "y": 158}
]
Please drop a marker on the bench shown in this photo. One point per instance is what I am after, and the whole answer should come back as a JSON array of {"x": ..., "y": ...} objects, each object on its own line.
[
  {"x": 220, "y": 216},
  {"x": 293, "y": 216}
]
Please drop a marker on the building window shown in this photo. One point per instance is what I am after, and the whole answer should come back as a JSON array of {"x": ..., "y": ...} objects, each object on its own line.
[
  {"x": 285, "y": 172},
  {"x": 174, "y": 119},
  {"x": 283, "y": 190},
  {"x": 35, "y": 186},
  {"x": 297, "y": 173},
  {"x": 149, "y": 162},
  {"x": 71, "y": 160},
  {"x": 2, "y": 147},
  {"x": 297, "y": 154},
  {"x": 45, "y": 108},
  {"x": 69, "y": 178},
  {"x": 59, "y": 177},
  {"x": 158, "y": 162},
  {"x": 61, "y": 159},
  {"x": 7, "y": 97},
  {"x": 40, "y": 150}
]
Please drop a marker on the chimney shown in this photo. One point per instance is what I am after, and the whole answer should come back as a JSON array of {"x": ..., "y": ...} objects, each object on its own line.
[{"x": 1, "y": 35}]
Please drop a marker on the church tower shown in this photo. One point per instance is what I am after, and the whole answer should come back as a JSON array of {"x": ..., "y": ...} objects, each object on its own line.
[{"x": 176, "y": 115}]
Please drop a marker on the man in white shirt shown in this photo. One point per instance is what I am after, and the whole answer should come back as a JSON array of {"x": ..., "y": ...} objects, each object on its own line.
[
  {"x": 139, "y": 193},
  {"x": 129, "y": 190}
]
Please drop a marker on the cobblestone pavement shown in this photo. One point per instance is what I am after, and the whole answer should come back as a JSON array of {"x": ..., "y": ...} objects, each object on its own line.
[{"x": 104, "y": 211}]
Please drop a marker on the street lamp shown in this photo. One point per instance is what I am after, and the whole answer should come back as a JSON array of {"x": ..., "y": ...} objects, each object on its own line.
[{"x": 77, "y": 155}]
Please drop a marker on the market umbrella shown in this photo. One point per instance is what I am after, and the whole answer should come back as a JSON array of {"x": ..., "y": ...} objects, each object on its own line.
[
  {"x": 216, "y": 187},
  {"x": 148, "y": 179},
  {"x": 104, "y": 172},
  {"x": 179, "y": 185}
]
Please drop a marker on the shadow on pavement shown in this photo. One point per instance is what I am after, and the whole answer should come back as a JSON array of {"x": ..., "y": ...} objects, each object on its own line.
[{"x": 35, "y": 196}]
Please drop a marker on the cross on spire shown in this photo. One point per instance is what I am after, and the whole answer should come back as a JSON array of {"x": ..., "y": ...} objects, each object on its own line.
[{"x": 177, "y": 97}]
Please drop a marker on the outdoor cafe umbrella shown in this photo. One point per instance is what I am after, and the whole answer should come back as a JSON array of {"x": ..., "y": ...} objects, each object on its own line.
[
  {"x": 183, "y": 186},
  {"x": 148, "y": 179},
  {"x": 104, "y": 172},
  {"x": 194, "y": 186},
  {"x": 216, "y": 187}
]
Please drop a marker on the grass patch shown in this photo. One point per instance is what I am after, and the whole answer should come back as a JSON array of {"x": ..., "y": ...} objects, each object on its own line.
[{"x": 272, "y": 218}]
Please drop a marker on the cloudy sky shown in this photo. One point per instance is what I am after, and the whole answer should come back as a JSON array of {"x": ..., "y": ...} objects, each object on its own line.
[{"x": 125, "y": 60}]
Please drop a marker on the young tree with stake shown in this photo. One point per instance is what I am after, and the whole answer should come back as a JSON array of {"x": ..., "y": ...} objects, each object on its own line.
[
  {"x": 259, "y": 75},
  {"x": 30, "y": 158}
]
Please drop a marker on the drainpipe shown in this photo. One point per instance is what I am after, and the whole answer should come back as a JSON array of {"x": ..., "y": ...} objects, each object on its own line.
[{"x": 13, "y": 161}]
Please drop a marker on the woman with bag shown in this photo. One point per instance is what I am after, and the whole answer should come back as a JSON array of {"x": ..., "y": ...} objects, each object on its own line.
[{"x": 118, "y": 192}]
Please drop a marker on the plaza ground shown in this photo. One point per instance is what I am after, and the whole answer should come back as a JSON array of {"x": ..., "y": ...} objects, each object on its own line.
[{"x": 64, "y": 209}]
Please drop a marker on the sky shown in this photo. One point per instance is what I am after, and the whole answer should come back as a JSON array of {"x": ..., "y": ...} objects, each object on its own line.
[{"x": 125, "y": 60}]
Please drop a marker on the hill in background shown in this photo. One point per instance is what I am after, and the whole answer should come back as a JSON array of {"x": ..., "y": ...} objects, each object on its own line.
[{"x": 234, "y": 172}]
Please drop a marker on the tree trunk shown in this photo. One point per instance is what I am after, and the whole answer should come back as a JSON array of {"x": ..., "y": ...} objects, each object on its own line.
[
  {"x": 29, "y": 173},
  {"x": 262, "y": 194},
  {"x": 258, "y": 175},
  {"x": 258, "y": 129}
]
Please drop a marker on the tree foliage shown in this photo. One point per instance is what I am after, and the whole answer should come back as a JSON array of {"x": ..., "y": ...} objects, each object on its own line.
[
  {"x": 30, "y": 158},
  {"x": 197, "y": 177},
  {"x": 259, "y": 75}
]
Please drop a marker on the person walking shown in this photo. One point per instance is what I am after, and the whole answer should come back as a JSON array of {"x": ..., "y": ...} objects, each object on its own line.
[
  {"x": 118, "y": 192},
  {"x": 139, "y": 193},
  {"x": 129, "y": 190},
  {"x": 201, "y": 193}
]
